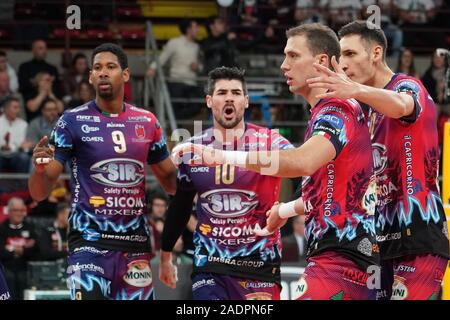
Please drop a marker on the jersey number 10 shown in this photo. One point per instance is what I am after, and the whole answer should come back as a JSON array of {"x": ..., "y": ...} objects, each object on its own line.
[{"x": 224, "y": 174}]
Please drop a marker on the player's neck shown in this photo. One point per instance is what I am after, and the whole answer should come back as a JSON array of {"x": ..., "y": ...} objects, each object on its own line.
[
  {"x": 114, "y": 106},
  {"x": 383, "y": 75},
  {"x": 229, "y": 135},
  {"x": 310, "y": 95}
]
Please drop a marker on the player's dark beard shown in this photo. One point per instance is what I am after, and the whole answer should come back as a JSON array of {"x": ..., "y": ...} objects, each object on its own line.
[
  {"x": 229, "y": 125},
  {"x": 105, "y": 94}
]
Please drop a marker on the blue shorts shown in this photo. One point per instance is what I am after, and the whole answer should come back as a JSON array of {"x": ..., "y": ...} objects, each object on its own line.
[
  {"x": 4, "y": 291},
  {"x": 213, "y": 286},
  {"x": 96, "y": 274}
]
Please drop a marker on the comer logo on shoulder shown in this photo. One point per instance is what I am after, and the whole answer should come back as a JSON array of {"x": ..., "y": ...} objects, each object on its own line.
[{"x": 139, "y": 274}]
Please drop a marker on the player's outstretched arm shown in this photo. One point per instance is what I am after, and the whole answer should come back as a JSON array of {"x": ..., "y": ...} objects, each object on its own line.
[
  {"x": 166, "y": 173},
  {"x": 339, "y": 85},
  {"x": 177, "y": 217},
  {"x": 46, "y": 171},
  {"x": 279, "y": 213}
]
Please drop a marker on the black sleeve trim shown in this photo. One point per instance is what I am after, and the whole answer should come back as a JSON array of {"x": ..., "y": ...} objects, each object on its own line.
[{"x": 177, "y": 217}]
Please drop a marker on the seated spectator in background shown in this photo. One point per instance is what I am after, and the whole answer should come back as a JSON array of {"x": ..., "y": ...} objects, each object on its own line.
[
  {"x": 83, "y": 94},
  {"x": 219, "y": 47},
  {"x": 5, "y": 90},
  {"x": 433, "y": 77},
  {"x": 14, "y": 147},
  {"x": 309, "y": 11},
  {"x": 405, "y": 63},
  {"x": 182, "y": 54},
  {"x": 294, "y": 245},
  {"x": 419, "y": 13},
  {"x": 342, "y": 12},
  {"x": 17, "y": 246},
  {"x": 393, "y": 33},
  {"x": 43, "y": 124},
  {"x": 158, "y": 206},
  {"x": 77, "y": 73},
  {"x": 29, "y": 70},
  {"x": 44, "y": 83},
  {"x": 53, "y": 242},
  {"x": 12, "y": 76}
]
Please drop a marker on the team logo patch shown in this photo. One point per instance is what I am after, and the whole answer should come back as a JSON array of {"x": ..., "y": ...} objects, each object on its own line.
[
  {"x": 302, "y": 287},
  {"x": 140, "y": 131},
  {"x": 138, "y": 274},
  {"x": 399, "y": 289},
  {"x": 258, "y": 296}
]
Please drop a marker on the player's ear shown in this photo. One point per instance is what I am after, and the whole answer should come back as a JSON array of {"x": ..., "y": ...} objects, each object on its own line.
[
  {"x": 377, "y": 53},
  {"x": 324, "y": 60},
  {"x": 209, "y": 101},
  {"x": 246, "y": 101},
  {"x": 126, "y": 74},
  {"x": 90, "y": 77}
]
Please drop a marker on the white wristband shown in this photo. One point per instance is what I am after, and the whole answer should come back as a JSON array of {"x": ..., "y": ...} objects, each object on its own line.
[
  {"x": 287, "y": 210},
  {"x": 235, "y": 157}
]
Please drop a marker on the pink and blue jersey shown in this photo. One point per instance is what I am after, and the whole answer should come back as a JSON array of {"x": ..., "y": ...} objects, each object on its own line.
[
  {"x": 231, "y": 203},
  {"x": 108, "y": 156},
  {"x": 340, "y": 197},
  {"x": 410, "y": 215}
]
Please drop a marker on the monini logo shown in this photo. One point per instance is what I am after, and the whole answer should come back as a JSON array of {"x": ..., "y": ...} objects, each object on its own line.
[
  {"x": 227, "y": 203},
  {"x": 399, "y": 289},
  {"x": 138, "y": 274}
]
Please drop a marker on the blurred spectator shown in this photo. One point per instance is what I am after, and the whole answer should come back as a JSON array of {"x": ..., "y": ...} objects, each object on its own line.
[
  {"x": 419, "y": 13},
  {"x": 43, "y": 124},
  {"x": 405, "y": 63},
  {"x": 219, "y": 47},
  {"x": 6, "y": 67},
  {"x": 83, "y": 94},
  {"x": 14, "y": 147},
  {"x": 43, "y": 81},
  {"x": 250, "y": 31},
  {"x": 5, "y": 90},
  {"x": 393, "y": 33},
  {"x": 342, "y": 12},
  {"x": 29, "y": 70},
  {"x": 433, "y": 78},
  {"x": 77, "y": 73},
  {"x": 17, "y": 246},
  {"x": 309, "y": 11},
  {"x": 415, "y": 11},
  {"x": 182, "y": 54},
  {"x": 53, "y": 242},
  {"x": 294, "y": 245},
  {"x": 158, "y": 206}
]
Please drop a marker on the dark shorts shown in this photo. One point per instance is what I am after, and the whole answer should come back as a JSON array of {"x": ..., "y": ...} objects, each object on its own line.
[
  {"x": 211, "y": 286},
  {"x": 96, "y": 274},
  {"x": 414, "y": 277},
  {"x": 330, "y": 276},
  {"x": 4, "y": 291}
]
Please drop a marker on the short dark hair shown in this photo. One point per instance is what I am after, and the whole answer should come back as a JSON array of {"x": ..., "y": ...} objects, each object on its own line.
[
  {"x": 368, "y": 32},
  {"x": 114, "y": 49},
  {"x": 7, "y": 101},
  {"x": 321, "y": 39},
  {"x": 47, "y": 100},
  {"x": 159, "y": 195},
  {"x": 227, "y": 73},
  {"x": 79, "y": 55},
  {"x": 185, "y": 24}
]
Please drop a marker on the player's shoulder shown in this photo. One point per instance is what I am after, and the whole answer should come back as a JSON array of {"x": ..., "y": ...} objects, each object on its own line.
[
  {"x": 79, "y": 113},
  {"x": 257, "y": 131},
  {"x": 404, "y": 82},
  {"x": 340, "y": 106},
  {"x": 138, "y": 114}
]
